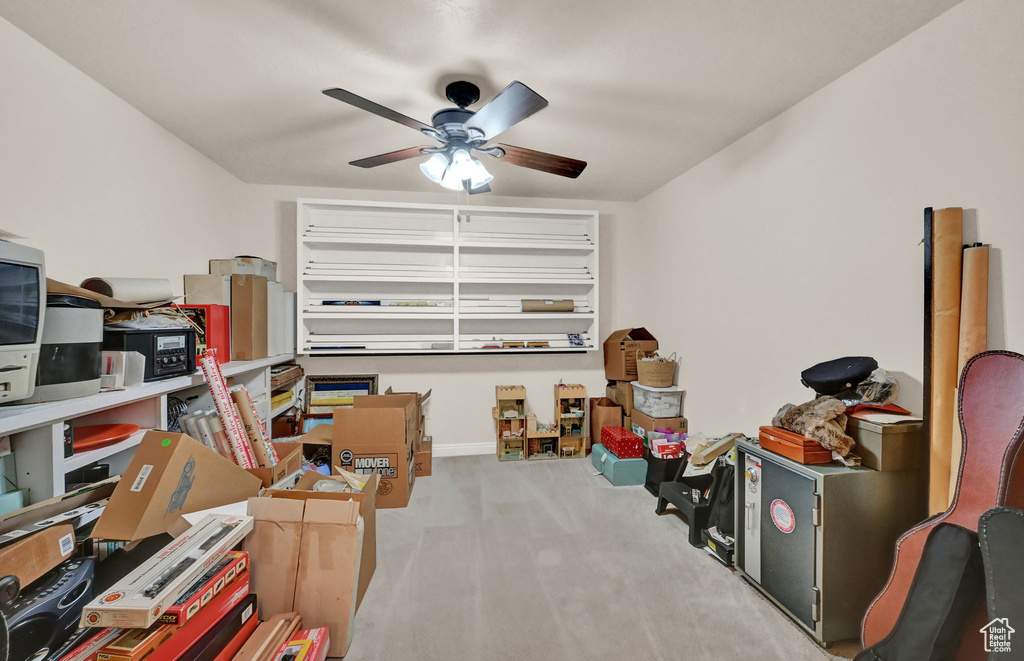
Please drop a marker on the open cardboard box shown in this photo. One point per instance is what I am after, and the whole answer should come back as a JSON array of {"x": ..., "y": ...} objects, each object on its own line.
[
  {"x": 620, "y": 352},
  {"x": 378, "y": 434},
  {"x": 289, "y": 460},
  {"x": 170, "y": 474},
  {"x": 314, "y": 552},
  {"x": 424, "y": 456}
]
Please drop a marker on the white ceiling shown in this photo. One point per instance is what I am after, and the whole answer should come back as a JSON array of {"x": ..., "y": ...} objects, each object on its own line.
[{"x": 642, "y": 91}]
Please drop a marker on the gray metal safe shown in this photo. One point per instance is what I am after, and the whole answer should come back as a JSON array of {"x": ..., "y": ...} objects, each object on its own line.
[{"x": 818, "y": 540}]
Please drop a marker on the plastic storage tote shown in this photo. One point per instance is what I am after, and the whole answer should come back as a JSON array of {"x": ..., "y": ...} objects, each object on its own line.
[{"x": 658, "y": 402}]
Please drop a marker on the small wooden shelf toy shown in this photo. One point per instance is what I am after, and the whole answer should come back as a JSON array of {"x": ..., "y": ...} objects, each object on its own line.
[
  {"x": 571, "y": 413},
  {"x": 541, "y": 439},
  {"x": 510, "y": 417}
]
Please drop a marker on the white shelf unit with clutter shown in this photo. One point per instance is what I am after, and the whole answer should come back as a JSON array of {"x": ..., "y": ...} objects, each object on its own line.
[
  {"x": 397, "y": 278},
  {"x": 37, "y": 430}
]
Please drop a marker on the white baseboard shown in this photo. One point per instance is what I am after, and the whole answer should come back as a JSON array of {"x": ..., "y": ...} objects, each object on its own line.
[{"x": 463, "y": 449}]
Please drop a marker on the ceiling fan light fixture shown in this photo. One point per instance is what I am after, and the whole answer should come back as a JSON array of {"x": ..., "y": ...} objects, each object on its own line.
[
  {"x": 480, "y": 176},
  {"x": 434, "y": 167},
  {"x": 463, "y": 165},
  {"x": 450, "y": 180}
]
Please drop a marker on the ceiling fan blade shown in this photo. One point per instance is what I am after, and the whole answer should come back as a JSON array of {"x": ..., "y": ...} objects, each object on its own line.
[
  {"x": 538, "y": 160},
  {"x": 390, "y": 157},
  {"x": 479, "y": 189},
  {"x": 511, "y": 106},
  {"x": 377, "y": 109}
]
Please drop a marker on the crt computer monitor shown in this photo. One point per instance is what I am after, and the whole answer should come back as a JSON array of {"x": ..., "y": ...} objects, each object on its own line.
[{"x": 22, "y": 306}]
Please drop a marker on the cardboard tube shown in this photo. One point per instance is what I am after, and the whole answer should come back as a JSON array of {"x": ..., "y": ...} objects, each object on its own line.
[
  {"x": 973, "y": 334},
  {"x": 947, "y": 246}
]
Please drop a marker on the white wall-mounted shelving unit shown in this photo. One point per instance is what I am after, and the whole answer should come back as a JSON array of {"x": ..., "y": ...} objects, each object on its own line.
[
  {"x": 395, "y": 278},
  {"x": 37, "y": 430}
]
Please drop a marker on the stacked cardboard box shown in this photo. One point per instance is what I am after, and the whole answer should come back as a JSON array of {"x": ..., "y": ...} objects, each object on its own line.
[
  {"x": 620, "y": 356},
  {"x": 262, "y": 314}
]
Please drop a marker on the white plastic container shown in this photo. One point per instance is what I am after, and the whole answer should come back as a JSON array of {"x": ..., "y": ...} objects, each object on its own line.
[{"x": 658, "y": 402}]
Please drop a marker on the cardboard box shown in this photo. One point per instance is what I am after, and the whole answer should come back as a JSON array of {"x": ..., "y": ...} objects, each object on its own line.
[
  {"x": 248, "y": 317},
  {"x": 378, "y": 434},
  {"x": 289, "y": 460},
  {"x": 419, "y": 399},
  {"x": 641, "y": 424},
  {"x": 269, "y": 636},
  {"x": 367, "y": 501},
  {"x": 245, "y": 265},
  {"x": 31, "y": 557},
  {"x": 306, "y": 552},
  {"x": 423, "y": 456},
  {"x": 621, "y": 392},
  {"x": 620, "y": 352},
  {"x": 203, "y": 289},
  {"x": 171, "y": 474},
  {"x": 26, "y": 516},
  {"x": 214, "y": 324},
  {"x": 232, "y": 566}
]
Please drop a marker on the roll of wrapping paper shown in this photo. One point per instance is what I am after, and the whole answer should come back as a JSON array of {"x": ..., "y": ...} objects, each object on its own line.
[
  {"x": 240, "y": 447},
  {"x": 947, "y": 246},
  {"x": 973, "y": 333},
  {"x": 132, "y": 290},
  {"x": 253, "y": 427}
]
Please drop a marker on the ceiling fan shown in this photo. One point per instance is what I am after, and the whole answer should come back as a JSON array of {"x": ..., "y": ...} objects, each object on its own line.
[{"x": 462, "y": 131}]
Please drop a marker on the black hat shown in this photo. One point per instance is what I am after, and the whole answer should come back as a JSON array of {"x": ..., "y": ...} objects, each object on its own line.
[{"x": 834, "y": 376}]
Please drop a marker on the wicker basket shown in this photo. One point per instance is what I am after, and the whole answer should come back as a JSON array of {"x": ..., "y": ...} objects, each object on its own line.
[{"x": 655, "y": 373}]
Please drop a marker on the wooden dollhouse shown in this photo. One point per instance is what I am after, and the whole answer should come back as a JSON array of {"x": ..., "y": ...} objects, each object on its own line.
[
  {"x": 571, "y": 415},
  {"x": 541, "y": 439},
  {"x": 510, "y": 422}
]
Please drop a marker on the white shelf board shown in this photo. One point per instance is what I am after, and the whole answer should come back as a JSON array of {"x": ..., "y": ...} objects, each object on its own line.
[
  {"x": 378, "y": 315},
  {"x": 527, "y": 281},
  {"x": 526, "y": 315},
  {"x": 371, "y": 278},
  {"x": 464, "y": 350},
  {"x": 16, "y": 418},
  {"x": 85, "y": 458},
  {"x": 379, "y": 242},
  {"x": 523, "y": 245}
]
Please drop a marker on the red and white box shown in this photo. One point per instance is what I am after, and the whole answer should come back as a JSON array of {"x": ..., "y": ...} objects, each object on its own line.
[
  {"x": 234, "y": 564},
  {"x": 621, "y": 442},
  {"x": 306, "y": 645}
]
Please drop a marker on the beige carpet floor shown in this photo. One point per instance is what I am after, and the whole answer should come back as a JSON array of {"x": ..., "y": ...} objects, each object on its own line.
[{"x": 544, "y": 560}]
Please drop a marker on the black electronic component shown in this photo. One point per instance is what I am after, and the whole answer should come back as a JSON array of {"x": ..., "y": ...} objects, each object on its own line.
[
  {"x": 169, "y": 352},
  {"x": 48, "y": 610}
]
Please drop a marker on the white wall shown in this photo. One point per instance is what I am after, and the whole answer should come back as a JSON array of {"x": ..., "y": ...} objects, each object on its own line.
[
  {"x": 104, "y": 190},
  {"x": 800, "y": 242}
]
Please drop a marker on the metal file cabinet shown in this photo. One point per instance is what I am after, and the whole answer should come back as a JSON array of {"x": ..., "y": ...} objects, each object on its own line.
[{"x": 818, "y": 540}]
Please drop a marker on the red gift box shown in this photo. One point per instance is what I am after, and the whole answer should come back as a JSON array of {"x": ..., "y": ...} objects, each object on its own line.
[
  {"x": 621, "y": 442},
  {"x": 213, "y": 329}
]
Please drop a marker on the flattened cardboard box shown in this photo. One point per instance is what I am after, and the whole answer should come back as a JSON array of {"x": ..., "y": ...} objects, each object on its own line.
[
  {"x": 248, "y": 317},
  {"x": 171, "y": 474},
  {"x": 306, "y": 556},
  {"x": 32, "y": 556},
  {"x": 620, "y": 352},
  {"x": 423, "y": 457}
]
